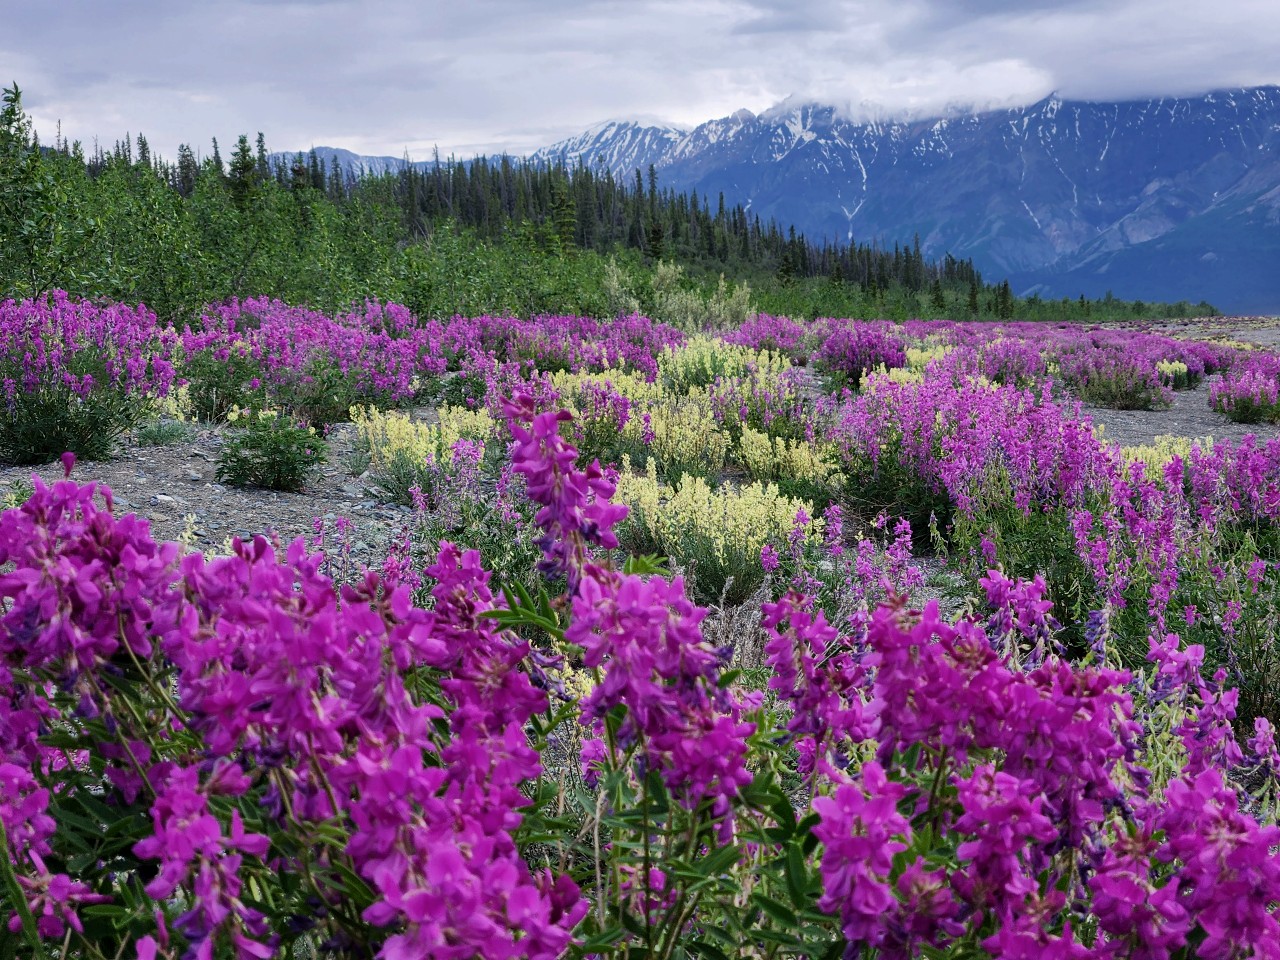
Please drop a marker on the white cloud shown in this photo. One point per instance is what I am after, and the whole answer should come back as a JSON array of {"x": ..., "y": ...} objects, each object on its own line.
[{"x": 380, "y": 77}]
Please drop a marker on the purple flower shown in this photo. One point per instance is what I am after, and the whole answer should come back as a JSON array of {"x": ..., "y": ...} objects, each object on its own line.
[{"x": 861, "y": 831}]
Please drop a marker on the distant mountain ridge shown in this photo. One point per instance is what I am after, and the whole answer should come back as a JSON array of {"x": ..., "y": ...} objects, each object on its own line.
[{"x": 1164, "y": 199}]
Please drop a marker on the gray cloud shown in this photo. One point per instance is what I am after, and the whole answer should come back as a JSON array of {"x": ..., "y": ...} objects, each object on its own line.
[{"x": 490, "y": 75}]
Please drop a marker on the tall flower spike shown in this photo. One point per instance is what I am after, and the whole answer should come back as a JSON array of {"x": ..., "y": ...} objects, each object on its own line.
[{"x": 576, "y": 510}]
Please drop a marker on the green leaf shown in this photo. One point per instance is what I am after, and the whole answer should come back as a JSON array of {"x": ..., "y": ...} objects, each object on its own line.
[
  {"x": 775, "y": 910},
  {"x": 797, "y": 877},
  {"x": 602, "y": 941},
  {"x": 720, "y": 861},
  {"x": 703, "y": 949},
  {"x": 14, "y": 895}
]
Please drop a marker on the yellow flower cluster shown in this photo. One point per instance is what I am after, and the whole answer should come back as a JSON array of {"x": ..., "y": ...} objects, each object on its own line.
[
  {"x": 880, "y": 375},
  {"x": 238, "y": 413},
  {"x": 920, "y": 357},
  {"x": 1156, "y": 456},
  {"x": 774, "y": 458},
  {"x": 393, "y": 436},
  {"x": 18, "y": 493},
  {"x": 1174, "y": 373},
  {"x": 717, "y": 533},
  {"x": 686, "y": 437},
  {"x": 700, "y": 360},
  {"x": 176, "y": 405}
]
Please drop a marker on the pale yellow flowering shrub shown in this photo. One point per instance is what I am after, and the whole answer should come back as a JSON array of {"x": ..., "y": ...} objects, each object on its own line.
[
  {"x": 631, "y": 385},
  {"x": 685, "y": 438},
  {"x": 800, "y": 468},
  {"x": 700, "y": 360},
  {"x": 176, "y": 405},
  {"x": 18, "y": 493},
  {"x": 390, "y": 434},
  {"x": 1174, "y": 373},
  {"x": 400, "y": 449},
  {"x": 1156, "y": 456},
  {"x": 716, "y": 534},
  {"x": 920, "y": 357},
  {"x": 901, "y": 375}
]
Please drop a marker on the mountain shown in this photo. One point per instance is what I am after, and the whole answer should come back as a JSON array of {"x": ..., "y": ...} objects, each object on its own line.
[
  {"x": 621, "y": 145},
  {"x": 351, "y": 163},
  {"x": 1168, "y": 199}
]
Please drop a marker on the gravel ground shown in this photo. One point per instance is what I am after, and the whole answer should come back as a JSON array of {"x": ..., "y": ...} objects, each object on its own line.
[
  {"x": 1189, "y": 416},
  {"x": 174, "y": 488}
]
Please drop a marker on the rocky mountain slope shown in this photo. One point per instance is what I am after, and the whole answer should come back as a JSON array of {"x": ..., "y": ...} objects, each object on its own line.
[{"x": 1169, "y": 199}]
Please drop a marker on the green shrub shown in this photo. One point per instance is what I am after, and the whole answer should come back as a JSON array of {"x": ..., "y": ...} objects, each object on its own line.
[
  {"x": 269, "y": 451},
  {"x": 216, "y": 385},
  {"x": 18, "y": 493},
  {"x": 40, "y": 427},
  {"x": 162, "y": 432}
]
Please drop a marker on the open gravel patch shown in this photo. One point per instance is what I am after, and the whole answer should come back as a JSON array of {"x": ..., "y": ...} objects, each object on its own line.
[
  {"x": 174, "y": 488},
  {"x": 1189, "y": 417}
]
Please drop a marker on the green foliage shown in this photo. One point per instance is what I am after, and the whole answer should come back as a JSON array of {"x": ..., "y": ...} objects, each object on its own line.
[
  {"x": 16, "y": 494},
  {"x": 46, "y": 220},
  {"x": 41, "y": 426},
  {"x": 321, "y": 394},
  {"x": 480, "y": 237},
  {"x": 216, "y": 384},
  {"x": 270, "y": 451},
  {"x": 692, "y": 309},
  {"x": 162, "y": 432},
  {"x": 475, "y": 520}
]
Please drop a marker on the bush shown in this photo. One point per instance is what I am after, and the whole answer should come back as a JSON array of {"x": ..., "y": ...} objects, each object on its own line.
[
  {"x": 1246, "y": 396},
  {"x": 717, "y": 535},
  {"x": 852, "y": 349},
  {"x": 681, "y": 436},
  {"x": 800, "y": 468},
  {"x": 690, "y": 310},
  {"x": 1114, "y": 377},
  {"x": 76, "y": 376},
  {"x": 701, "y": 361},
  {"x": 16, "y": 494},
  {"x": 265, "y": 449},
  {"x": 163, "y": 433},
  {"x": 405, "y": 453},
  {"x": 219, "y": 377}
]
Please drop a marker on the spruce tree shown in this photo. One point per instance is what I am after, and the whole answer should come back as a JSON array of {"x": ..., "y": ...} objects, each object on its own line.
[
  {"x": 188, "y": 171},
  {"x": 244, "y": 172}
]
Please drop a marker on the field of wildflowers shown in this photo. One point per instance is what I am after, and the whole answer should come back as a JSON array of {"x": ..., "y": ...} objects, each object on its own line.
[{"x": 656, "y": 670}]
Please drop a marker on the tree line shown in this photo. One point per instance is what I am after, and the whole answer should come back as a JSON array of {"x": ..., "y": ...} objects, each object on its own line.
[{"x": 486, "y": 235}]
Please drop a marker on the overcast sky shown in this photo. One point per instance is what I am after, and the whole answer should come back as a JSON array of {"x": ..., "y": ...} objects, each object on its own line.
[{"x": 386, "y": 76}]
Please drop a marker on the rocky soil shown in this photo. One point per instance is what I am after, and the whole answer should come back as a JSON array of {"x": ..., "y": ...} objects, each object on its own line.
[
  {"x": 174, "y": 487},
  {"x": 1190, "y": 415}
]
